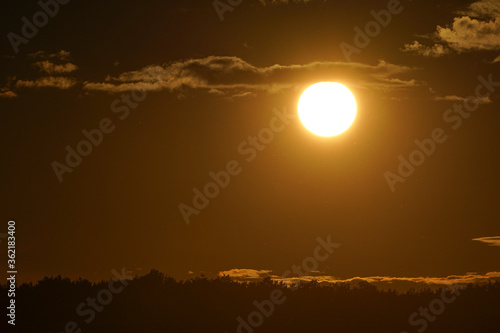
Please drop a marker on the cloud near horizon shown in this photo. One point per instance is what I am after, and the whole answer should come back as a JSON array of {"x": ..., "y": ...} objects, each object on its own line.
[
  {"x": 246, "y": 274},
  {"x": 249, "y": 275}
]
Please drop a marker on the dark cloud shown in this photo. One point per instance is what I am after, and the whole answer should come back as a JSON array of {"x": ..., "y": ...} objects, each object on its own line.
[
  {"x": 51, "y": 68},
  {"x": 234, "y": 77},
  {"x": 48, "y": 82}
]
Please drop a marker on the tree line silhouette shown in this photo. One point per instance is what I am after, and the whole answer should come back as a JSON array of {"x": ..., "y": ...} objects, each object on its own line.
[{"x": 158, "y": 303}]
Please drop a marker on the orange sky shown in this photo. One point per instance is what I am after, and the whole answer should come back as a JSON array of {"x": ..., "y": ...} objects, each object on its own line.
[{"x": 168, "y": 93}]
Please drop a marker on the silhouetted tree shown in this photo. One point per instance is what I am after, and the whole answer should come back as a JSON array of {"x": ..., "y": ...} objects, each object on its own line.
[{"x": 158, "y": 303}]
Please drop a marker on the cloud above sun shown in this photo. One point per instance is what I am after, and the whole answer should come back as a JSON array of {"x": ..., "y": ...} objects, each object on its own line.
[
  {"x": 437, "y": 50},
  {"x": 477, "y": 29},
  {"x": 232, "y": 75},
  {"x": 58, "y": 82},
  {"x": 52, "y": 68},
  {"x": 52, "y": 65},
  {"x": 227, "y": 76}
]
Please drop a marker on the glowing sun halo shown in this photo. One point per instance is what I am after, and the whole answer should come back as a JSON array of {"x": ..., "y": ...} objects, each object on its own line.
[{"x": 327, "y": 108}]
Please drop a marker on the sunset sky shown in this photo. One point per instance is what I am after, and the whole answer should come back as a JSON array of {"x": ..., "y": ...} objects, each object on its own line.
[{"x": 177, "y": 93}]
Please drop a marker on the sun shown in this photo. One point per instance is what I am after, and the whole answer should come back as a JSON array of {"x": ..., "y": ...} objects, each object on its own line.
[{"x": 327, "y": 108}]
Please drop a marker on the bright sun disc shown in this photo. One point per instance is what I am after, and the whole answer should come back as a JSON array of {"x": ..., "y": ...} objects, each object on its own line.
[{"x": 327, "y": 108}]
